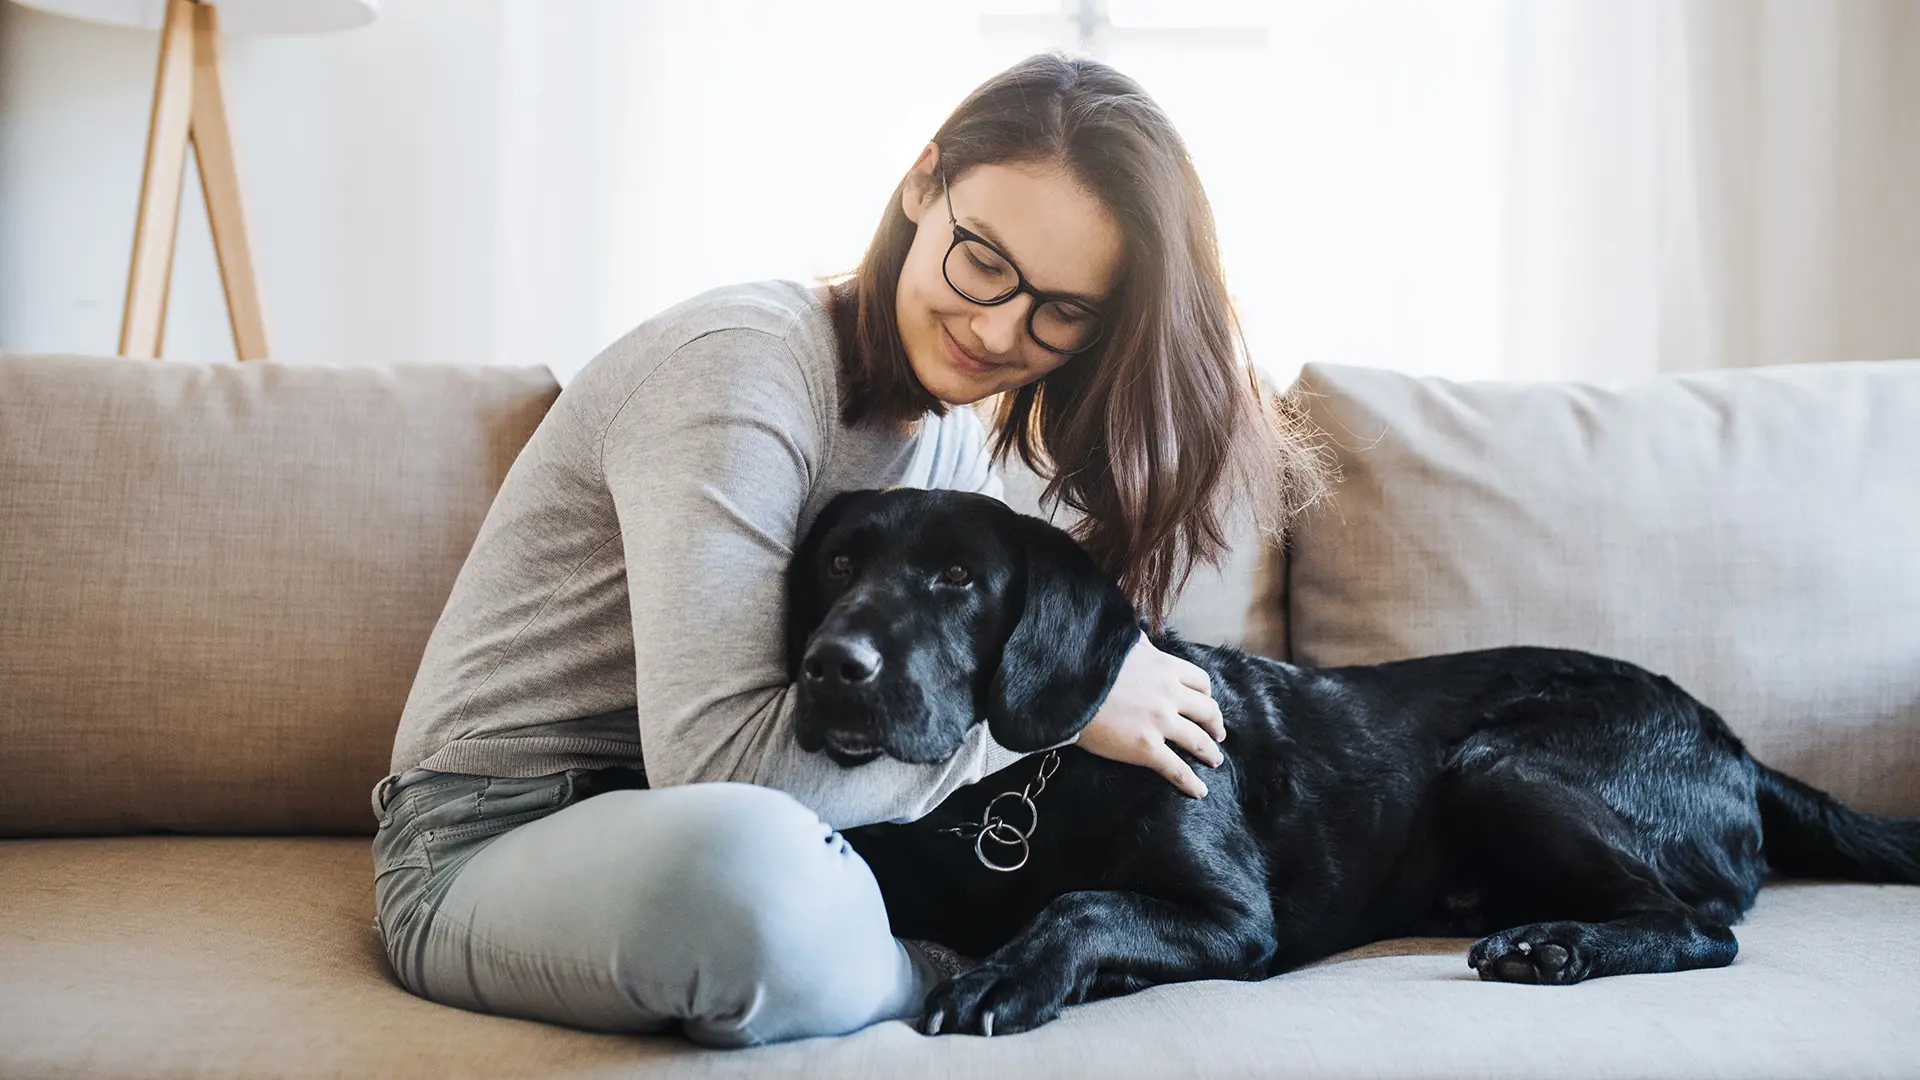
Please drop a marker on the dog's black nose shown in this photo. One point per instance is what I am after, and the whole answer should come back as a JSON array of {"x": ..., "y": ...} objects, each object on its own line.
[{"x": 841, "y": 662}]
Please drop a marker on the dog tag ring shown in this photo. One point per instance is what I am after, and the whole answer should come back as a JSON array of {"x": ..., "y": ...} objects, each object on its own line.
[
  {"x": 994, "y": 820},
  {"x": 980, "y": 850},
  {"x": 1003, "y": 832}
]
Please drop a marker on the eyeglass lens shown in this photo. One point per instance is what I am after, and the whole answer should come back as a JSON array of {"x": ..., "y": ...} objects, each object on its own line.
[{"x": 978, "y": 273}]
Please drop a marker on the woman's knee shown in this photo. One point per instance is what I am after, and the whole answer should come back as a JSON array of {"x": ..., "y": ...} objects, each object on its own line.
[
  {"x": 748, "y": 851},
  {"x": 732, "y": 908},
  {"x": 781, "y": 916}
]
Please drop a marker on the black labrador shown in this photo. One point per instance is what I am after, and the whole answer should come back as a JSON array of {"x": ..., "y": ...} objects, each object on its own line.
[{"x": 1580, "y": 816}]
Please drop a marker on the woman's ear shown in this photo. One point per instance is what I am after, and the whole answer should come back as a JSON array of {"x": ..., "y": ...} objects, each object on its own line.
[
  {"x": 806, "y": 606},
  {"x": 922, "y": 183},
  {"x": 1076, "y": 628}
]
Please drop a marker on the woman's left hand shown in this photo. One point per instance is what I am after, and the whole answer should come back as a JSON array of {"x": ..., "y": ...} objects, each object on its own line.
[{"x": 1159, "y": 701}]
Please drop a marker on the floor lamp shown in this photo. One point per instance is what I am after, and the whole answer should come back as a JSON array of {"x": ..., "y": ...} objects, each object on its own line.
[{"x": 189, "y": 103}]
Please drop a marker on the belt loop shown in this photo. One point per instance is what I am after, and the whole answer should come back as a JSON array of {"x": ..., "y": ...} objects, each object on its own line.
[{"x": 380, "y": 797}]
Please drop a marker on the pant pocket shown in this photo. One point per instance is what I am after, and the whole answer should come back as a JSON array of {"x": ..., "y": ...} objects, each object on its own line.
[
  {"x": 505, "y": 803},
  {"x": 396, "y": 892},
  {"x": 402, "y": 870},
  {"x": 400, "y": 878}
]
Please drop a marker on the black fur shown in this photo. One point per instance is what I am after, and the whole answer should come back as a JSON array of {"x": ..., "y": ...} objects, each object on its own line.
[{"x": 1579, "y": 815}]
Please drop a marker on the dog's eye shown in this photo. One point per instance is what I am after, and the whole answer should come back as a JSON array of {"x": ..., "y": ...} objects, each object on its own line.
[
  {"x": 956, "y": 575},
  {"x": 841, "y": 566}
]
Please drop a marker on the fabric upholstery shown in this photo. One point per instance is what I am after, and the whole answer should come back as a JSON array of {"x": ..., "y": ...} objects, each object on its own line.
[
  {"x": 1753, "y": 535},
  {"x": 216, "y": 580},
  {"x": 230, "y": 957}
]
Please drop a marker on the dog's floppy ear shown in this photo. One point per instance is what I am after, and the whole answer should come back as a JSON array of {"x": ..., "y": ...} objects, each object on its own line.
[
  {"x": 805, "y": 604},
  {"x": 1076, "y": 628}
]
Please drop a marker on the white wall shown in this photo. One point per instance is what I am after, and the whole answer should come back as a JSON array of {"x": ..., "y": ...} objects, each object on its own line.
[{"x": 369, "y": 194}]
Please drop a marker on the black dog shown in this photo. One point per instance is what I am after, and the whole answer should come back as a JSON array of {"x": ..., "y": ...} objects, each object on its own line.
[{"x": 1579, "y": 815}]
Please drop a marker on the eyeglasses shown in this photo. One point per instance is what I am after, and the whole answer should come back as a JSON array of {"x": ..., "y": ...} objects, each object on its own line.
[{"x": 983, "y": 274}]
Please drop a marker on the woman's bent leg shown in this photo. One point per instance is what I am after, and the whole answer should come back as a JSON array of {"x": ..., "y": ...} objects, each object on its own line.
[{"x": 731, "y": 908}]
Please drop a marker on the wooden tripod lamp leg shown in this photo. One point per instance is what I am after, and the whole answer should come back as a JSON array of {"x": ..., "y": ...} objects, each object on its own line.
[
  {"x": 189, "y": 101},
  {"x": 220, "y": 180},
  {"x": 145, "y": 317}
]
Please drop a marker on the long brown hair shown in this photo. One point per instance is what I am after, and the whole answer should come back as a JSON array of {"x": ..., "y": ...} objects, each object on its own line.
[{"x": 1159, "y": 432}]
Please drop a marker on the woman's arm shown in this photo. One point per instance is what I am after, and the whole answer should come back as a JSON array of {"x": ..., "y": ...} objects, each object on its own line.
[{"x": 709, "y": 462}]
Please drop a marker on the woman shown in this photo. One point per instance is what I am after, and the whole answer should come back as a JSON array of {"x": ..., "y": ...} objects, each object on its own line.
[{"x": 616, "y": 630}]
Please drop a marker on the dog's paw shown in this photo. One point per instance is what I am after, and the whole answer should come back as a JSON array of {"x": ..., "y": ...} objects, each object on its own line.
[
  {"x": 992, "y": 999},
  {"x": 1549, "y": 954}
]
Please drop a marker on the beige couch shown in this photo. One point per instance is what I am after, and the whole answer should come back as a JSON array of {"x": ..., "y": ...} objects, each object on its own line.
[{"x": 215, "y": 582}]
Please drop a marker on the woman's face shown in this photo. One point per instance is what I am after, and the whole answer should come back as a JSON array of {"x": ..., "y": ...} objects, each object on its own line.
[{"x": 1058, "y": 235}]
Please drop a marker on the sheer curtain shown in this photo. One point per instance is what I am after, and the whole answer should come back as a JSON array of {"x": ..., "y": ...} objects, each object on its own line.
[
  {"x": 1353, "y": 157},
  {"x": 650, "y": 151},
  {"x": 1480, "y": 189},
  {"x": 1711, "y": 183}
]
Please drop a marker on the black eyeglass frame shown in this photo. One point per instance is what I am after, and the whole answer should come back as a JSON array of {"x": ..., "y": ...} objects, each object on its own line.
[{"x": 962, "y": 234}]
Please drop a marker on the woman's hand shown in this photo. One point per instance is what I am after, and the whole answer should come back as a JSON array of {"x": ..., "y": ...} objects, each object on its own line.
[{"x": 1159, "y": 702}]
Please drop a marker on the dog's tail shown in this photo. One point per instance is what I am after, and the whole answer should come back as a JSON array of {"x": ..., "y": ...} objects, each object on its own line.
[{"x": 1807, "y": 833}]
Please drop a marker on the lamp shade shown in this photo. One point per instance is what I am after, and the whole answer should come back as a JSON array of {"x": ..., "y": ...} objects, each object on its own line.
[{"x": 236, "y": 16}]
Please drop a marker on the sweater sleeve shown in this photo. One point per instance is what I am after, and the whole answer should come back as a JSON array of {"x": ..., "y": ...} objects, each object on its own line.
[{"x": 709, "y": 463}]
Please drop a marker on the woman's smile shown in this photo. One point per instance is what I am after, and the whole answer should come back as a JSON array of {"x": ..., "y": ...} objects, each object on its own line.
[{"x": 968, "y": 362}]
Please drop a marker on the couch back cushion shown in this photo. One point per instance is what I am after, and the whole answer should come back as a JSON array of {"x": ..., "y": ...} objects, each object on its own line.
[
  {"x": 216, "y": 580},
  {"x": 1753, "y": 535}
]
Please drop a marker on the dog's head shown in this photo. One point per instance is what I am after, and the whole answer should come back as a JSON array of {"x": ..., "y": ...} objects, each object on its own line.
[{"x": 912, "y": 615}]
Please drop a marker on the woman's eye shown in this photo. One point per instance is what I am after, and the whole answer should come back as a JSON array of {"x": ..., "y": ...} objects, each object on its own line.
[
  {"x": 956, "y": 575},
  {"x": 840, "y": 566},
  {"x": 983, "y": 267}
]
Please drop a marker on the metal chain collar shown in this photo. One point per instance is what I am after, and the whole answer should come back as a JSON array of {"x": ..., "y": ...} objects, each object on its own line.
[{"x": 1003, "y": 832}]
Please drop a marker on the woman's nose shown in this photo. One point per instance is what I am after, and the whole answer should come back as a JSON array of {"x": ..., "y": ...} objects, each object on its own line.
[{"x": 999, "y": 327}]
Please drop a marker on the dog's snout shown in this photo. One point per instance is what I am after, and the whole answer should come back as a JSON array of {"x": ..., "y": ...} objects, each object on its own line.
[{"x": 841, "y": 661}]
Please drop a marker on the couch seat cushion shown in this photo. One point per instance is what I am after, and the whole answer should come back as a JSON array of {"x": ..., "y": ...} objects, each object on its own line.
[{"x": 217, "y": 957}]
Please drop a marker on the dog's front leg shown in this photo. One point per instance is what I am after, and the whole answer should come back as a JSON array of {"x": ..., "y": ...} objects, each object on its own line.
[{"x": 1118, "y": 938}]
